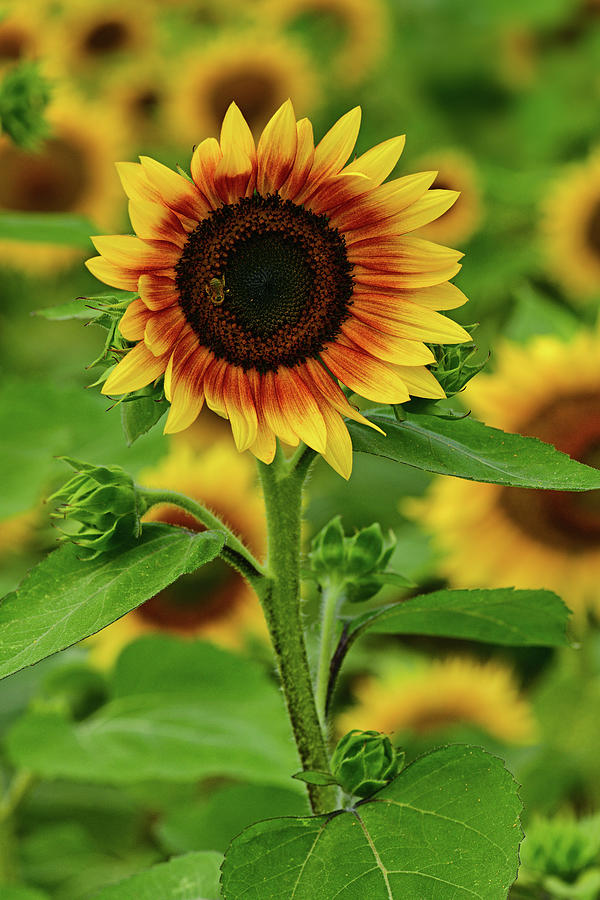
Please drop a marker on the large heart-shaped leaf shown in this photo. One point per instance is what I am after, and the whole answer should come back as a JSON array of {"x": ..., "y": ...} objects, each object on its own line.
[
  {"x": 65, "y": 599},
  {"x": 194, "y": 876},
  {"x": 469, "y": 449},
  {"x": 447, "y": 828},
  {"x": 181, "y": 710}
]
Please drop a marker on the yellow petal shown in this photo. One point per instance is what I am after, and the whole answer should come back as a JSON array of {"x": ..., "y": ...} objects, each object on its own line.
[
  {"x": 333, "y": 150},
  {"x": 300, "y": 409},
  {"x": 233, "y": 174},
  {"x": 157, "y": 292},
  {"x": 276, "y": 150},
  {"x": 139, "y": 368},
  {"x": 109, "y": 273},
  {"x": 205, "y": 160},
  {"x": 162, "y": 330},
  {"x": 367, "y": 376},
  {"x": 135, "y": 183},
  {"x": 431, "y": 206},
  {"x": 235, "y": 132},
  {"x": 338, "y": 450},
  {"x": 176, "y": 191},
  {"x": 130, "y": 252},
  {"x": 384, "y": 202},
  {"x": 305, "y": 154},
  {"x": 387, "y": 346},
  {"x": 421, "y": 382},
  {"x": 133, "y": 321},
  {"x": 378, "y": 162},
  {"x": 155, "y": 222},
  {"x": 399, "y": 280}
]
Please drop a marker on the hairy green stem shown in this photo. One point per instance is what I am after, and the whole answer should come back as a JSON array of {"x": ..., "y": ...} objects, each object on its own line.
[
  {"x": 15, "y": 792},
  {"x": 234, "y": 551},
  {"x": 280, "y": 595},
  {"x": 332, "y": 598}
]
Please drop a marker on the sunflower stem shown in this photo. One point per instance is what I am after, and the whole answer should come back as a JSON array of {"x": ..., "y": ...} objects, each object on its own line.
[
  {"x": 332, "y": 598},
  {"x": 15, "y": 792},
  {"x": 280, "y": 595},
  {"x": 234, "y": 551}
]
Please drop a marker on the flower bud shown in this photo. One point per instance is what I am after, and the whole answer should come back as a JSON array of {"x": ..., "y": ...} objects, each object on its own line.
[
  {"x": 328, "y": 553},
  {"x": 104, "y": 503},
  {"x": 364, "y": 550},
  {"x": 365, "y": 761}
]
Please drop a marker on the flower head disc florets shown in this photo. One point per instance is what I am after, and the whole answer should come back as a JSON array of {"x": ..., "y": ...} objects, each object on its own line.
[{"x": 273, "y": 269}]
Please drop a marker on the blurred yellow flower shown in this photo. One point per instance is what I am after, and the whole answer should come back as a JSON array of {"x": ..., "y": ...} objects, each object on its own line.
[
  {"x": 215, "y": 602},
  {"x": 139, "y": 91},
  {"x": 493, "y": 536},
  {"x": 456, "y": 172},
  {"x": 20, "y": 33},
  {"x": 571, "y": 228},
  {"x": 430, "y": 697},
  {"x": 72, "y": 172},
  {"x": 16, "y": 531},
  {"x": 91, "y": 33},
  {"x": 256, "y": 70},
  {"x": 362, "y": 26}
]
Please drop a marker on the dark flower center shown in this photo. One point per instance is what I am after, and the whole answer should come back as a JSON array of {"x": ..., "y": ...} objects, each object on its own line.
[
  {"x": 107, "y": 37},
  {"x": 593, "y": 230},
  {"x": 13, "y": 43},
  {"x": 50, "y": 181},
  {"x": 264, "y": 283},
  {"x": 192, "y": 601},
  {"x": 256, "y": 93},
  {"x": 146, "y": 102},
  {"x": 567, "y": 520}
]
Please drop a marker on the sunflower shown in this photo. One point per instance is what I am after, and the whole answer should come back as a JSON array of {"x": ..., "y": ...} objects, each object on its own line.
[
  {"x": 493, "y": 536},
  {"x": 214, "y": 603},
  {"x": 19, "y": 36},
  {"x": 255, "y": 70},
  {"x": 92, "y": 33},
  {"x": 571, "y": 228},
  {"x": 430, "y": 697},
  {"x": 456, "y": 172},
  {"x": 360, "y": 26},
  {"x": 274, "y": 269},
  {"x": 140, "y": 93},
  {"x": 71, "y": 172},
  {"x": 17, "y": 531}
]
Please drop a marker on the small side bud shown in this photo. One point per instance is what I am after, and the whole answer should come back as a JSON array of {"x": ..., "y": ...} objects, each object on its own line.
[
  {"x": 103, "y": 504},
  {"x": 365, "y": 550},
  {"x": 365, "y": 761},
  {"x": 328, "y": 553}
]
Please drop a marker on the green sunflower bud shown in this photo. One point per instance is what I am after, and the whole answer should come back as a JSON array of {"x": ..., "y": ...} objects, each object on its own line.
[
  {"x": 456, "y": 364},
  {"x": 365, "y": 550},
  {"x": 365, "y": 761},
  {"x": 355, "y": 565},
  {"x": 103, "y": 503},
  {"x": 328, "y": 553}
]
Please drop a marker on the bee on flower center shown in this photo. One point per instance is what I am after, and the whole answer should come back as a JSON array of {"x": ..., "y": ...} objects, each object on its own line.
[{"x": 216, "y": 290}]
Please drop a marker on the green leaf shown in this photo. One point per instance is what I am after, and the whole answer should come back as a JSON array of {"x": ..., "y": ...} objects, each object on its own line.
[
  {"x": 516, "y": 618},
  {"x": 181, "y": 711},
  {"x": 194, "y": 876},
  {"x": 47, "y": 228},
  {"x": 21, "y": 892},
  {"x": 469, "y": 449},
  {"x": 65, "y": 599},
  {"x": 446, "y": 828},
  {"x": 211, "y": 822},
  {"x": 138, "y": 416},
  {"x": 309, "y": 776},
  {"x": 85, "y": 308},
  {"x": 40, "y": 421}
]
